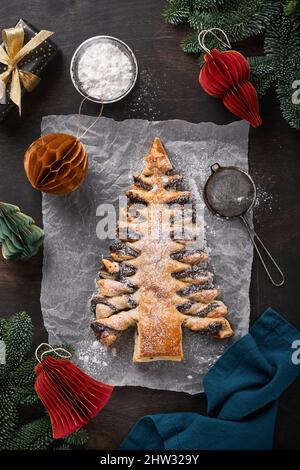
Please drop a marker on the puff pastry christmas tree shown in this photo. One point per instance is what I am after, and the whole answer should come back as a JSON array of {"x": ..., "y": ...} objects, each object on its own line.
[{"x": 154, "y": 281}]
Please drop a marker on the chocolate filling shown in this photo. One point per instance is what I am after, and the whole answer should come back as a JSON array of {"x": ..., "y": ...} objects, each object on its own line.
[
  {"x": 194, "y": 215},
  {"x": 122, "y": 248},
  {"x": 180, "y": 200},
  {"x": 132, "y": 303},
  {"x": 126, "y": 270},
  {"x": 174, "y": 182},
  {"x": 98, "y": 329},
  {"x": 104, "y": 274},
  {"x": 139, "y": 182},
  {"x": 100, "y": 300},
  {"x": 213, "y": 329},
  {"x": 178, "y": 255},
  {"x": 186, "y": 235},
  {"x": 103, "y": 332},
  {"x": 128, "y": 284},
  {"x": 194, "y": 273},
  {"x": 206, "y": 310},
  {"x": 135, "y": 198},
  {"x": 195, "y": 288},
  {"x": 185, "y": 307}
]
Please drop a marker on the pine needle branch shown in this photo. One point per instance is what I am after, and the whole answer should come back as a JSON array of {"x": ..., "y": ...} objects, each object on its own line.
[
  {"x": 177, "y": 11},
  {"x": 279, "y": 20}
]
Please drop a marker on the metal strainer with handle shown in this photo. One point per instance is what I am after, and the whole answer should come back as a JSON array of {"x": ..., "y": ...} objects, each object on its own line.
[{"x": 230, "y": 192}]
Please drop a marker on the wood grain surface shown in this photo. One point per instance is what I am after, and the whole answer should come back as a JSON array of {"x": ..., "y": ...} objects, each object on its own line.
[{"x": 167, "y": 88}]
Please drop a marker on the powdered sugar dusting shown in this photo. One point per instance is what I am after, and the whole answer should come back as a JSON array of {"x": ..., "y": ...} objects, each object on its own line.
[
  {"x": 94, "y": 355},
  {"x": 144, "y": 100},
  {"x": 105, "y": 71},
  {"x": 264, "y": 200},
  {"x": 113, "y": 148}
]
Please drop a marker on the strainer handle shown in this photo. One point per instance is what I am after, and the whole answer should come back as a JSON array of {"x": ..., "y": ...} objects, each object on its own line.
[
  {"x": 262, "y": 252},
  {"x": 215, "y": 167}
]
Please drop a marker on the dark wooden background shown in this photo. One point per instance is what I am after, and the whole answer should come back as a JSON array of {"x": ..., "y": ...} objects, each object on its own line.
[{"x": 167, "y": 88}]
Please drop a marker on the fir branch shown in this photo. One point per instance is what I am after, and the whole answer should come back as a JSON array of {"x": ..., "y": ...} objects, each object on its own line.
[
  {"x": 262, "y": 73},
  {"x": 239, "y": 18},
  {"x": 208, "y": 5},
  {"x": 201, "y": 61},
  {"x": 17, "y": 339},
  {"x": 190, "y": 44},
  {"x": 36, "y": 435},
  {"x": 62, "y": 447},
  {"x": 2, "y": 328},
  {"x": 8, "y": 415},
  {"x": 78, "y": 438},
  {"x": 291, "y": 6},
  {"x": 290, "y": 110},
  {"x": 282, "y": 45},
  {"x": 176, "y": 11},
  {"x": 24, "y": 374},
  {"x": 282, "y": 42},
  {"x": 27, "y": 396}
]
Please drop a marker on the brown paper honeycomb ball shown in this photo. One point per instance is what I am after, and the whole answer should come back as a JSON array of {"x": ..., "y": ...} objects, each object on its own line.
[{"x": 56, "y": 163}]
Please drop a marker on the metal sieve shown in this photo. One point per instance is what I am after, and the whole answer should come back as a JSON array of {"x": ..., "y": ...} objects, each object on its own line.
[{"x": 230, "y": 192}]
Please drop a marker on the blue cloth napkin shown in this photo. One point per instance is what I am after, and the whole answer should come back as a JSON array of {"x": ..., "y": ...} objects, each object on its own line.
[{"x": 242, "y": 390}]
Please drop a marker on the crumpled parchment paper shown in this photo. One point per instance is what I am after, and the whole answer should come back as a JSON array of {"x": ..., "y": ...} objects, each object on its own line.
[{"x": 72, "y": 250}]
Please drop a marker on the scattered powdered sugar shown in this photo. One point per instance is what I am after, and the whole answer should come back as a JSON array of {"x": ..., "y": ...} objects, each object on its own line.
[
  {"x": 93, "y": 355},
  {"x": 105, "y": 71},
  {"x": 264, "y": 199},
  {"x": 145, "y": 101},
  {"x": 194, "y": 148}
]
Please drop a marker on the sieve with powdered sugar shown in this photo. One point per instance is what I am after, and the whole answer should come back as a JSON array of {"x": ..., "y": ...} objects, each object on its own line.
[{"x": 231, "y": 192}]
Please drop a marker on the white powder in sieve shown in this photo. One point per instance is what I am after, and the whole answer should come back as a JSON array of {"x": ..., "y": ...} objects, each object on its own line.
[{"x": 104, "y": 71}]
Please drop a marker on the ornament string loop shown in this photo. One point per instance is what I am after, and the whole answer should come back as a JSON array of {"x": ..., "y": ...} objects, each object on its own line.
[
  {"x": 79, "y": 117},
  {"x": 202, "y": 35},
  {"x": 77, "y": 139},
  {"x": 225, "y": 74},
  {"x": 58, "y": 351}
]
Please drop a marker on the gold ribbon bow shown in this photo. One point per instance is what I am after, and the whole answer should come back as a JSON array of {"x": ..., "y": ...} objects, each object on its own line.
[{"x": 13, "y": 39}]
